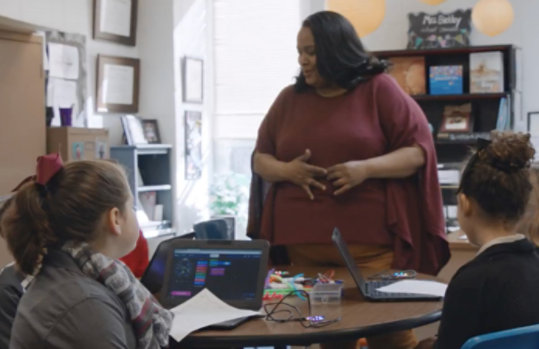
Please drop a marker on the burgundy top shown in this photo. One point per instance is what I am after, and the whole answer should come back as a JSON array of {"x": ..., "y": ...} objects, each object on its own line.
[{"x": 373, "y": 119}]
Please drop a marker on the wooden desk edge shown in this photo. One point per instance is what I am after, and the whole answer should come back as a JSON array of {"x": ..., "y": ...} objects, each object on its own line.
[{"x": 310, "y": 337}]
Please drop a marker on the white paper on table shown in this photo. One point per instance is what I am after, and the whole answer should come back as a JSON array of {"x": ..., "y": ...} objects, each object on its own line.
[
  {"x": 63, "y": 61},
  {"x": 115, "y": 17},
  {"x": 416, "y": 286},
  {"x": 61, "y": 93},
  {"x": 202, "y": 310},
  {"x": 118, "y": 84}
]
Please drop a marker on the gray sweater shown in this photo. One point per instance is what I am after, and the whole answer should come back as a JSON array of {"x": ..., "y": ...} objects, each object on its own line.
[{"x": 63, "y": 308}]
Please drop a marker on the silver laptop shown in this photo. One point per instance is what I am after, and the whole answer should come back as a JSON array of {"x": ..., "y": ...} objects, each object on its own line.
[{"x": 369, "y": 288}]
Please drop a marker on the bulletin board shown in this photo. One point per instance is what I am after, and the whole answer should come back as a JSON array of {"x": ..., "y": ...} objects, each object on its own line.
[{"x": 66, "y": 74}]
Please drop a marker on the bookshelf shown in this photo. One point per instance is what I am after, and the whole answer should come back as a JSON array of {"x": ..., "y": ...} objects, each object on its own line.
[
  {"x": 149, "y": 176},
  {"x": 486, "y": 107}
]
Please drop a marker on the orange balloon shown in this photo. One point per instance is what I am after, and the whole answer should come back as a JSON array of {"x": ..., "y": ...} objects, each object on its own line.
[
  {"x": 365, "y": 15},
  {"x": 492, "y": 17},
  {"x": 432, "y": 2}
]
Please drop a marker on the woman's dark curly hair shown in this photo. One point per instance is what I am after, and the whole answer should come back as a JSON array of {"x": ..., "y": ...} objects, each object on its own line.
[
  {"x": 497, "y": 175},
  {"x": 340, "y": 56}
]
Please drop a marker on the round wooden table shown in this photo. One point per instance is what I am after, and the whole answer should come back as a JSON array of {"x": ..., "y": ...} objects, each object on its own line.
[{"x": 358, "y": 318}]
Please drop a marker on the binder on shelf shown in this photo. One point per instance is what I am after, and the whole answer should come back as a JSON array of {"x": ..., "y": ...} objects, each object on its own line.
[
  {"x": 486, "y": 72},
  {"x": 445, "y": 79}
]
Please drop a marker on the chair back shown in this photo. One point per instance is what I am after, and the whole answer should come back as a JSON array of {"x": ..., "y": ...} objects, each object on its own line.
[
  {"x": 526, "y": 337},
  {"x": 214, "y": 229}
]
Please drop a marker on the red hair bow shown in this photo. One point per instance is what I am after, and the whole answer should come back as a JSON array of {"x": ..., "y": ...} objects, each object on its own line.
[{"x": 47, "y": 166}]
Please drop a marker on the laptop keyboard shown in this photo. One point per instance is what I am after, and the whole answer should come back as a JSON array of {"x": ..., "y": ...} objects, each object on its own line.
[{"x": 372, "y": 286}]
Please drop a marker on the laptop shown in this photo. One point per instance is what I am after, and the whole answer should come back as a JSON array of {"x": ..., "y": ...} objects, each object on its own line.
[
  {"x": 233, "y": 270},
  {"x": 369, "y": 288},
  {"x": 154, "y": 274}
]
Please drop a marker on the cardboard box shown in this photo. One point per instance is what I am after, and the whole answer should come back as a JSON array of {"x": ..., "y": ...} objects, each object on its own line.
[{"x": 74, "y": 143}]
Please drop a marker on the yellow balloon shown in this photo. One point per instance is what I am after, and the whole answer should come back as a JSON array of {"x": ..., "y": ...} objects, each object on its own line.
[
  {"x": 492, "y": 17},
  {"x": 432, "y": 2},
  {"x": 365, "y": 15}
]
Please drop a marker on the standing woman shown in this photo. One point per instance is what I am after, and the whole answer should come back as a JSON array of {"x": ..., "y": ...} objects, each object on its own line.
[
  {"x": 68, "y": 227},
  {"x": 345, "y": 146}
]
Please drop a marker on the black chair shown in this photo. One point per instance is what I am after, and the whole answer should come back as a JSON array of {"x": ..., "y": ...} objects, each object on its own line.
[{"x": 215, "y": 229}]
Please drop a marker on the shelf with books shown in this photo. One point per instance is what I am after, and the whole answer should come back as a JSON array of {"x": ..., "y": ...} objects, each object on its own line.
[
  {"x": 464, "y": 92},
  {"x": 148, "y": 170}
]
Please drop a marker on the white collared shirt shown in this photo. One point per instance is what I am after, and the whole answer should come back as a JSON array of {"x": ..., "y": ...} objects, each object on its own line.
[{"x": 501, "y": 240}]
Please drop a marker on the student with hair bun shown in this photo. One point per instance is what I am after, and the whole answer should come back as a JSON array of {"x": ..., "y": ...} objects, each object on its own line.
[
  {"x": 497, "y": 290},
  {"x": 69, "y": 227}
]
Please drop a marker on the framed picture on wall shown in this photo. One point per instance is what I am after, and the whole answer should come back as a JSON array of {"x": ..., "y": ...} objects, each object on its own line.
[
  {"x": 117, "y": 84},
  {"x": 192, "y": 79},
  {"x": 116, "y": 20}
]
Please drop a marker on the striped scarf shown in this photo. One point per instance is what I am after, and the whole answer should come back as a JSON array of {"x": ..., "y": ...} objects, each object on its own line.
[{"x": 151, "y": 321}]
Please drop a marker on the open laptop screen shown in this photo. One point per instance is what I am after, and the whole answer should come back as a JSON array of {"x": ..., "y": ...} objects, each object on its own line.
[{"x": 235, "y": 275}]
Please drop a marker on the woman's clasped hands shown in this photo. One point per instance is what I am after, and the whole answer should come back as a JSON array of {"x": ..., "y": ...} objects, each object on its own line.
[{"x": 343, "y": 176}]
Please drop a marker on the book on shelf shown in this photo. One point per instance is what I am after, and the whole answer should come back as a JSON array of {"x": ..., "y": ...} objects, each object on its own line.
[
  {"x": 449, "y": 173},
  {"x": 148, "y": 200},
  {"x": 448, "y": 176},
  {"x": 463, "y": 137},
  {"x": 503, "y": 121},
  {"x": 409, "y": 73},
  {"x": 445, "y": 79},
  {"x": 486, "y": 72},
  {"x": 456, "y": 119}
]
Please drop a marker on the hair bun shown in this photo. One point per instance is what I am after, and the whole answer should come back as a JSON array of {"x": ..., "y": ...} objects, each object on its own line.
[{"x": 509, "y": 152}]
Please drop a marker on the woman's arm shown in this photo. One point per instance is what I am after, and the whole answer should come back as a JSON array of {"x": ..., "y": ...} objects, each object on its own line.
[
  {"x": 400, "y": 163},
  {"x": 297, "y": 171}
]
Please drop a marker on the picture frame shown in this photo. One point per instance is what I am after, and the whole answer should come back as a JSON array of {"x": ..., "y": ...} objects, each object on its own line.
[
  {"x": 192, "y": 79},
  {"x": 133, "y": 130},
  {"x": 151, "y": 131},
  {"x": 117, "y": 85},
  {"x": 457, "y": 119},
  {"x": 116, "y": 21}
]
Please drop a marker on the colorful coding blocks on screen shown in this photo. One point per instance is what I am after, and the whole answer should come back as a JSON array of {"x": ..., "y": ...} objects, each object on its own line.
[{"x": 445, "y": 79}]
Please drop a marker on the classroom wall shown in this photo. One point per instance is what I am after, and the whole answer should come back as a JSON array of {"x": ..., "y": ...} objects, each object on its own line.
[{"x": 158, "y": 34}]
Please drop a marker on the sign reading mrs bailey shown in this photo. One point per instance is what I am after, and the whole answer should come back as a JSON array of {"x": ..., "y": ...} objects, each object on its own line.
[{"x": 439, "y": 30}]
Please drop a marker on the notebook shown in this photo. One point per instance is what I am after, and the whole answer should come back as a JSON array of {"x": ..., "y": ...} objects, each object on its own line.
[
  {"x": 369, "y": 288},
  {"x": 233, "y": 270}
]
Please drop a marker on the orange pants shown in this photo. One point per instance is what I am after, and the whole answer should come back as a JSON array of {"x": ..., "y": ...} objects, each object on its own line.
[{"x": 366, "y": 256}]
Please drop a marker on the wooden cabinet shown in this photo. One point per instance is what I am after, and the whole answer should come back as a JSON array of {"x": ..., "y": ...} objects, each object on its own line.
[
  {"x": 489, "y": 110},
  {"x": 23, "y": 111},
  {"x": 148, "y": 169}
]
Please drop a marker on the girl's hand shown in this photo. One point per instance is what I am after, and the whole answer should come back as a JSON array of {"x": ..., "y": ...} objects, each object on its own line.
[
  {"x": 303, "y": 174},
  {"x": 347, "y": 175}
]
